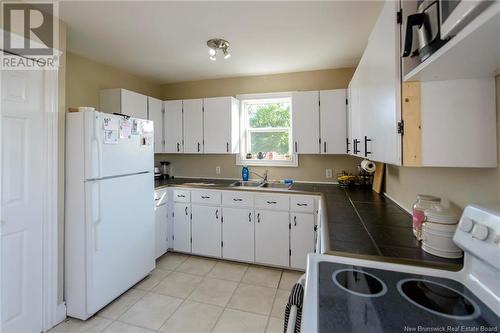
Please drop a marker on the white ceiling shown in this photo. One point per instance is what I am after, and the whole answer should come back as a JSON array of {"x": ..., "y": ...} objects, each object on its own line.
[{"x": 166, "y": 41}]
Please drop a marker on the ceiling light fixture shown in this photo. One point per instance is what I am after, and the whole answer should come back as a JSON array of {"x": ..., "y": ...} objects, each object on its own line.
[{"x": 216, "y": 44}]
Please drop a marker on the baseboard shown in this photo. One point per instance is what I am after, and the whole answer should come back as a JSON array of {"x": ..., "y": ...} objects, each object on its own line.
[{"x": 398, "y": 203}]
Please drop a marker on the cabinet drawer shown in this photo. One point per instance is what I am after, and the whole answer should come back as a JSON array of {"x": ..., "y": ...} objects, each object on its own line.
[
  {"x": 161, "y": 197},
  {"x": 182, "y": 196},
  {"x": 239, "y": 199},
  {"x": 272, "y": 201},
  {"x": 301, "y": 204},
  {"x": 206, "y": 197}
]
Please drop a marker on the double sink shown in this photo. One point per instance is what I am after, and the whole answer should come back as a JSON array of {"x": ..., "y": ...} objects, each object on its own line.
[{"x": 261, "y": 185}]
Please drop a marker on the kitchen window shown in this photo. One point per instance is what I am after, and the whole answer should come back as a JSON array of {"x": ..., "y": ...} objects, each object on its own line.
[{"x": 266, "y": 130}]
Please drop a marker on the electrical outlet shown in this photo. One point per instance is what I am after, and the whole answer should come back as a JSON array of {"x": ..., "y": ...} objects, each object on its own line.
[
  {"x": 217, "y": 170},
  {"x": 328, "y": 173}
]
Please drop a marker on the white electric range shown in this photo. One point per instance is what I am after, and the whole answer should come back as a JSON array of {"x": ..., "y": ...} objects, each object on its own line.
[{"x": 345, "y": 294}]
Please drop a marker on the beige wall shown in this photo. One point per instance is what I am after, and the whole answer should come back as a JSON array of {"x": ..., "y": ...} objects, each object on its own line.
[
  {"x": 312, "y": 80},
  {"x": 85, "y": 78},
  {"x": 459, "y": 185},
  {"x": 311, "y": 167}
]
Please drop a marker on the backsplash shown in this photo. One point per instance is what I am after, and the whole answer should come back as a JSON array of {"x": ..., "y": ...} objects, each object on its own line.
[{"x": 311, "y": 167}]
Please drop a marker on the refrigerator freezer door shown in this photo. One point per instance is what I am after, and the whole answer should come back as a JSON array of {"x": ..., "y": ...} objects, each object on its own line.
[
  {"x": 120, "y": 236},
  {"x": 116, "y": 146}
]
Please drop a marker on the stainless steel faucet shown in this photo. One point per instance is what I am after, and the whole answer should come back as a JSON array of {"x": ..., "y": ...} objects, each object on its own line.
[{"x": 263, "y": 177}]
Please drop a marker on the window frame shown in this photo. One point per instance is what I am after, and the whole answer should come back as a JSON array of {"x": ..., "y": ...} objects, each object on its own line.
[{"x": 245, "y": 130}]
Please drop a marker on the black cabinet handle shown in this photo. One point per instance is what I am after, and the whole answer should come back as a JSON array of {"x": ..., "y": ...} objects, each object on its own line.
[
  {"x": 181, "y": 196},
  {"x": 217, "y": 214},
  {"x": 178, "y": 146},
  {"x": 198, "y": 147},
  {"x": 347, "y": 145},
  {"x": 295, "y": 220},
  {"x": 227, "y": 147},
  {"x": 324, "y": 146},
  {"x": 186, "y": 210},
  {"x": 250, "y": 217},
  {"x": 258, "y": 218},
  {"x": 296, "y": 149},
  {"x": 271, "y": 202},
  {"x": 356, "y": 150},
  {"x": 301, "y": 204},
  {"x": 237, "y": 199},
  {"x": 366, "y": 146},
  {"x": 205, "y": 197}
]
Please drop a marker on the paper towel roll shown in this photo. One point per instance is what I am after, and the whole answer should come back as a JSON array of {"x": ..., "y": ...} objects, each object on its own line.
[{"x": 368, "y": 166}]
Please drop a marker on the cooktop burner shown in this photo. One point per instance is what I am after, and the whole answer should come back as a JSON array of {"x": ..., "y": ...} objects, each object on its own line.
[
  {"x": 359, "y": 299},
  {"x": 438, "y": 299},
  {"x": 359, "y": 283}
]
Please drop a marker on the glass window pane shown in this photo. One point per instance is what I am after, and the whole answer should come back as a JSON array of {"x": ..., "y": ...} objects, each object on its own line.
[
  {"x": 262, "y": 115},
  {"x": 265, "y": 142}
]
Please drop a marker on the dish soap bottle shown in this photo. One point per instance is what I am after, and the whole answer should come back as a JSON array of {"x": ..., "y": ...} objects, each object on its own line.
[{"x": 245, "y": 173}]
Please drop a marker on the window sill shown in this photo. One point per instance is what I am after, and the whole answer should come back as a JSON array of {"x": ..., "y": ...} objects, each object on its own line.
[{"x": 293, "y": 163}]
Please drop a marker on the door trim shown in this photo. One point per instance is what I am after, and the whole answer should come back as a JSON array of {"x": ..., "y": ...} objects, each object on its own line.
[{"x": 52, "y": 313}]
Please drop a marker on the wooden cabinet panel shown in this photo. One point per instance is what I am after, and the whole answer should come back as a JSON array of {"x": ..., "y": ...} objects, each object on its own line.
[
  {"x": 193, "y": 125},
  {"x": 272, "y": 237},
  {"x": 173, "y": 126},
  {"x": 301, "y": 239},
  {"x": 220, "y": 125},
  {"x": 238, "y": 234},
  {"x": 206, "y": 230},
  {"x": 305, "y": 122},
  {"x": 155, "y": 114},
  {"x": 182, "y": 227},
  {"x": 333, "y": 121}
]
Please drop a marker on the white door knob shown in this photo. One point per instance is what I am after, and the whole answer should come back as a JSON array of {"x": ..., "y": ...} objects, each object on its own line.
[
  {"x": 466, "y": 224},
  {"x": 480, "y": 231}
]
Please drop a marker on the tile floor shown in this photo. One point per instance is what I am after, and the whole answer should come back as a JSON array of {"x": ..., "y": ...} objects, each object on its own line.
[{"x": 187, "y": 294}]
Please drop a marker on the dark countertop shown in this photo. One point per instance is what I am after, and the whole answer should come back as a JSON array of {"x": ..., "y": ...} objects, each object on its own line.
[{"x": 360, "y": 222}]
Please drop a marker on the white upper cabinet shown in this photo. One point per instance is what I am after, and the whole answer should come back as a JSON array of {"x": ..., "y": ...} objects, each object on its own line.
[
  {"x": 155, "y": 113},
  {"x": 221, "y": 125},
  {"x": 125, "y": 102},
  {"x": 305, "y": 122},
  {"x": 172, "y": 123},
  {"x": 333, "y": 122},
  {"x": 192, "y": 110},
  {"x": 375, "y": 93}
]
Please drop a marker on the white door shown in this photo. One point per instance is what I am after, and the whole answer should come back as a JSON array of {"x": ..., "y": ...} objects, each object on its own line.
[
  {"x": 301, "y": 239},
  {"x": 161, "y": 229},
  {"x": 182, "y": 227},
  {"x": 219, "y": 121},
  {"x": 305, "y": 122},
  {"x": 272, "y": 237},
  {"x": 333, "y": 120},
  {"x": 173, "y": 126},
  {"x": 134, "y": 104},
  {"x": 22, "y": 108},
  {"x": 193, "y": 125},
  {"x": 206, "y": 230},
  {"x": 155, "y": 113},
  {"x": 238, "y": 234}
]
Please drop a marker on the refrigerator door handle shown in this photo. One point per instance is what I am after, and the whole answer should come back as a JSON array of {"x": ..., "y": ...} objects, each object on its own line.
[{"x": 96, "y": 207}]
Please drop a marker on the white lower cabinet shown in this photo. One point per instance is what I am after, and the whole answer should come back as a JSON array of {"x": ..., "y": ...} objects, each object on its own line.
[
  {"x": 182, "y": 227},
  {"x": 272, "y": 237},
  {"x": 301, "y": 238},
  {"x": 238, "y": 234},
  {"x": 206, "y": 230}
]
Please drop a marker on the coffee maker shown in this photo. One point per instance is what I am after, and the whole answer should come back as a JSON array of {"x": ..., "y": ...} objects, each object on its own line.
[{"x": 165, "y": 169}]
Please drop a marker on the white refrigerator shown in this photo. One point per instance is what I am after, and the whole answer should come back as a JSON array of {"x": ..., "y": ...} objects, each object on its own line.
[{"x": 109, "y": 210}]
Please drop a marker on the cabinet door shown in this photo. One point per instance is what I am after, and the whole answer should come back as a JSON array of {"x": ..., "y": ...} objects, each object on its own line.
[
  {"x": 173, "y": 126},
  {"x": 134, "y": 104},
  {"x": 155, "y": 113},
  {"x": 238, "y": 234},
  {"x": 272, "y": 237},
  {"x": 206, "y": 230},
  {"x": 220, "y": 122},
  {"x": 305, "y": 122},
  {"x": 193, "y": 125},
  {"x": 301, "y": 239},
  {"x": 354, "y": 120},
  {"x": 161, "y": 229},
  {"x": 182, "y": 227},
  {"x": 380, "y": 83},
  {"x": 333, "y": 120}
]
